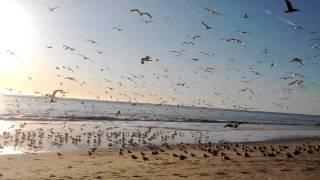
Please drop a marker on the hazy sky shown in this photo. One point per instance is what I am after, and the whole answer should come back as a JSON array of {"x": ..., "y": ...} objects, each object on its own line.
[{"x": 27, "y": 65}]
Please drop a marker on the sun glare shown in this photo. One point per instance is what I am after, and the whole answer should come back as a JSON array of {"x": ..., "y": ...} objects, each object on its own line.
[{"x": 16, "y": 35}]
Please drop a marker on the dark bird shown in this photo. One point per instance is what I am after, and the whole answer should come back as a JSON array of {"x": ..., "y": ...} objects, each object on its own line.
[
  {"x": 195, "y": 37},
  {"x": 297, "y": 60},
  {"x": 147, "y": 58},
  {"x": 183, "y": 157},
  {"x": 290, "y": 8},
  {"x": 145, "y": 158},
  {"x": 175, "y": 155},
  {"x": 59, "y": 154},
  {"x": 289, "y": 156},
  {"x": 134, "y": 156},
  {"x": 118, "y": 113},
  {"x": 206, "y": 27},
  {"x": 141, "y": 13}
]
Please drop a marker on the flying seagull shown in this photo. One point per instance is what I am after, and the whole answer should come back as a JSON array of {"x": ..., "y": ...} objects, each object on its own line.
[
  {"x": 147, "y": 58},
  {"x": 195, "y": 37},
  {"x": 12, "y": 53},
  {"x": 206, "y": 27},
  {"x": 53, "y": 95},
  {"x": 92, "y": 41},
  {"x": 85, "y": 57},
  {"x": 212, "y": 12},
  {"x": 53, "y": 9},
  {"x": 68, "y": 48},
  {"x": 290, "y": 8},
  {"x": 297, "y": 60},
  {"x": 141, "y": 13}
]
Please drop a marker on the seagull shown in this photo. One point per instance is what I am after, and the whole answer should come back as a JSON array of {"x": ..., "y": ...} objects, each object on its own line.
[
  {"x": 85, "y": 57},
  {"x": 53, "y": 95},
  {"x": 146, "y": 21},
  {"x": 52, "y": 9},
  {"x": 68, "y": 48},
  {"x": 247, "y": 89},
  {"x": 71, "y": 79},
  {"x": 141, "y": 13},
  {"x": 195, "y": 37},
  {"x": 147, "y": 58},
  {"x": 212, "y": 12},
  {"x": 235, "y": 40},
  {"x": 12, "y": 53},
  {"x": 246, "y": 16},
  {"x": 257, "y": 73},
  {"x": 297, "y": 60},
  {"x": 188, "y": 43},
  {"x": 92, "y": 41},
  {"x": 206, "y": 27},
  {"x": 290, "y": 8},
  {"x": 116, "y": 28},
  {"x": 296, "y": 82}
]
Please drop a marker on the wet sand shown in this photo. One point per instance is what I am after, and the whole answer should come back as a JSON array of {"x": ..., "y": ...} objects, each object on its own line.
[{"x": 109, "y": 164}]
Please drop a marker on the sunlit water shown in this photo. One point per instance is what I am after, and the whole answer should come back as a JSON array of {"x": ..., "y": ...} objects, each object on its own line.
[{"x": 32, "y": 124}]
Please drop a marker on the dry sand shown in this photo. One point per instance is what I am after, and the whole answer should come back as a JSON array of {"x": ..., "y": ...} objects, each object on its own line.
[{"x": 108, "y": 164}]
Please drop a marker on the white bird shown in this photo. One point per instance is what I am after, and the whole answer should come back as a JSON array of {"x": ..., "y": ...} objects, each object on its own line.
[{"x": 141, "y": 13}]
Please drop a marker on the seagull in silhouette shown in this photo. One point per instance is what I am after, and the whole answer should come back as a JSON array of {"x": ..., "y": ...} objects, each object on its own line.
[
  {"x": 297, "y": 60},
  {"x": 53, "y": 95},
  {"x": 147, "y": 58},
  {"x": 290, "y": 8},
  {"x": 141, "y": 13},
  {"x": 53, "y": 9},
  {"x": 246, "y": 16},
  {"x": 212, "y": 12},
  {"x": 206, "y": 27}
]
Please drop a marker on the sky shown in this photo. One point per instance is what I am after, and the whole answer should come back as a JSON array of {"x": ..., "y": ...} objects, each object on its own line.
[{"x": 34, "y": 62}]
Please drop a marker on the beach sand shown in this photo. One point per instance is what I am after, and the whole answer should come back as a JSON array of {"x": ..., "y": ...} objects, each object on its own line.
[{"x": 108, "y": 164}]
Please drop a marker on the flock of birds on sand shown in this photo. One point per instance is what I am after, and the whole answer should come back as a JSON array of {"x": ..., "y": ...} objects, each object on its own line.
[
  {"x": 125, "y": 140},
  {"x": 139, "y": 81}
]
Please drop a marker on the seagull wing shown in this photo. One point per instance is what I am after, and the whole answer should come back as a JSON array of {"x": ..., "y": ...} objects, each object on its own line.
[
  {"x": 147, "y": 14},
  {"x": 204, "y": 24},
  {"x": 135, "y": 10},
  {"x": 289, "y": 4}
]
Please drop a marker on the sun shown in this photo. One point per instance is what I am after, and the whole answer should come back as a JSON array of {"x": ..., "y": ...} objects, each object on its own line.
[{"x": 16, "y": 34}]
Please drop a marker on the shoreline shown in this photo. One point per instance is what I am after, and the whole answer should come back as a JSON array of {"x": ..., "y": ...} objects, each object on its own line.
[{"x": 159, "y": 162}]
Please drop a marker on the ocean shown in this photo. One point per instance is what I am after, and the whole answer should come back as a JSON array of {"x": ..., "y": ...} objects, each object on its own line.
[{"x": 34, "y": 124}]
